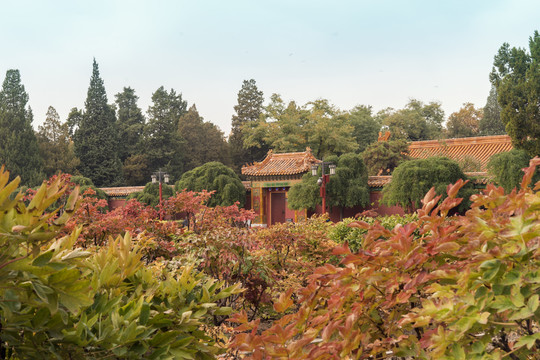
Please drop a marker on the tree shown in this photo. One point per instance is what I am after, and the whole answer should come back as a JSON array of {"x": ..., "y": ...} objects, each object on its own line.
[
  {"x": 130, "y": 123},
  {"x": 162, "y": 142},
  {"x": 204, "y": 142},
  {"x": 135, "y": 170},
  {"x": 150, "y": 194},
  {"x": 465, "y": 122},
  {"x": 214, "y": 176},
  {"x": 347, "y": 188},
  {"x": 317, "y": 124},
  {"x": 491, "y": 123},
  {"x": 96, "y": 137},
  {"x": 55, "y": 145},
  {"x": 248, "y": 110},
  {"x": 382, "y": 157},
  {"x": 366, "y": 127},
  {"x": 19, "y": 149},
  {"x": 417, "y": 121},
  {"x": 412, "y": 180},
  {"x": 507, "y": 168},
  {"x": 516, "y": 77}
]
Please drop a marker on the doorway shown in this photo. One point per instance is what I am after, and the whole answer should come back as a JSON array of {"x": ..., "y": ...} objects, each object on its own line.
[{"x": 278, "y": 207}]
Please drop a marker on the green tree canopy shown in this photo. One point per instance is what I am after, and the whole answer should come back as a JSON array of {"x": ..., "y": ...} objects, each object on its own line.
[
  {"x": 96, "y": 137},
  {"x": 55, "y": 145},
  {"x": 204, "y": 142},
  {"x": 214, "y": 176},
  {"x": 417, "y": 121},
  {"x": 248, "y": 110},
  {"x": 87, "y": 183},
  {"x": 491, "y": 123},
  {"x": 19, "y": 149},
  {"x": 382, "y": 157},
  {"x": 506, "y": 168},
  {"x": 516, "y": 76},
  {"x": 366, "y": 127},
  {"x": 465, "y": 122},
  {"x": 412, "y": 180},
  {"x": 347, "y": 188},
  {"x": 162, "y": 142},
  {"x": 150, "y": 194},
  {"x": 318, "y": 124},
  {"x": 130, "y": 123}
]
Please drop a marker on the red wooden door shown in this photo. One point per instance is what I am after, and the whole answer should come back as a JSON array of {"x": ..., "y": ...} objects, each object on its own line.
[{"x": 278, "y": 208}]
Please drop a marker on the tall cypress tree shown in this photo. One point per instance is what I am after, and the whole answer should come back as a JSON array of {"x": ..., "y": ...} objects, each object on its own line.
[
  {"x": 248, "y": 109},
  {"x": 96, "y": 137},
  {"x": 491, "y": 123},
  {"x": 130, "y": 123},
  {"x": 18, "y": 144},
  {"x": 162, "y": 142}
]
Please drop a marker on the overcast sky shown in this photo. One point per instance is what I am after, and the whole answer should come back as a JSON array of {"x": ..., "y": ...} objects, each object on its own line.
[{"x": 379, "y": 53}]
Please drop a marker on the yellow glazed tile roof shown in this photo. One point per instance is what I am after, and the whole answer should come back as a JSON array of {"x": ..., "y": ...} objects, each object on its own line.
[{"x": 282, "y": 164}]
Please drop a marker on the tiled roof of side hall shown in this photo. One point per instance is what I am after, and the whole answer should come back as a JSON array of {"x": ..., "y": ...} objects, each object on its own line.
[
  {"x": 480, "y": 148},
  {"x": 282, "y": 164},
  {"x": 121, "y": 191}
]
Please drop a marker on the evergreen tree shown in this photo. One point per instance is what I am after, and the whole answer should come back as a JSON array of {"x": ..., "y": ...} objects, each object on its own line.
[
  {"x": 214, "y": 176},
  {"x": 56, "y": 146},
  {"x": 204, "y": 142},
  {"x": 516, "y": 76},
  {"x": 491, "y": 123},
  {"x": 130, "y": 123},
  {"x": 366, "y": 127},
  {"x": 347, "y": 188},
  {"x": 248, "y": 110},
  {"x": 19, "y": 149},
  {"x": 162, "y": 143},
  {"x": 96, "y": 137}
]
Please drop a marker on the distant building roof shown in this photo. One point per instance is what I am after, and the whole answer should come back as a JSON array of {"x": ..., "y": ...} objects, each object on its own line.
[
  {"x": 480, "y": 148},
  {"x": 282, "y": 164},
  {"x": 121, "y": 191}
]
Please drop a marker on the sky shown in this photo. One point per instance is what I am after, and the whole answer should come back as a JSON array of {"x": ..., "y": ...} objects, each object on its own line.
[{"x": 380, "y": 52}]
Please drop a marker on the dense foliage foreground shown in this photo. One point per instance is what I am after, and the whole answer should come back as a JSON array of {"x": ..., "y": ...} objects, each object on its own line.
[{"x": 78, "y": 282}]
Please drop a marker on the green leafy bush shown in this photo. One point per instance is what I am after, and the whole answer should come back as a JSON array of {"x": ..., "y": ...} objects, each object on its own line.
[
  {"x": 214, "y": 176},
  {"x": 150, "y": 194},
  {"x": 58, "y": 301},
  {"x": 412, "y": 180},
  {"x": 440, "y": 287},
  {"x": 507, "y": 168},
  {"x": 342, "y": 233}
]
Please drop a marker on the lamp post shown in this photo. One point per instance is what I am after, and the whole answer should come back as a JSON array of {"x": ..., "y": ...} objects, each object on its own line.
[
  {"x": 324, "y": 179},
  {"x": 162, "y": 177}
]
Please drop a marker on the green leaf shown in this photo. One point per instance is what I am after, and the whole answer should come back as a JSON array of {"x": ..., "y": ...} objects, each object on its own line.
[
  {"x": 528, "y": 340},
  {"x": 43, "y": 259},
  {"x": 145, "y": 314},
  {"x": 490, "y": 268},
  {"x": 532, "y": 304}
]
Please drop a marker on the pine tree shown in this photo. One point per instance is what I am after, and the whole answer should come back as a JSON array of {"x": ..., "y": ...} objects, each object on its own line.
[
  {"x": 96, "y": 137},
  {"x": 130, "y": 123},
  {"x": 491, "y": 123},
  {"x": 248, "y": 109},
  {"x": 18, "y": 145},
  {"x": 204, "y": 142},
  {"x": 55, "y": 145},
  {"x": 162, "y": 142}
]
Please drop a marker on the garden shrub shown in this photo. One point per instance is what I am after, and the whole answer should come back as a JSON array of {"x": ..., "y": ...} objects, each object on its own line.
[
  {"x": 341, "y": 232},
  {"x": 507, "y": 168},
  {"x": 412, "y": 180},
  {"x": 462, "y": 287},
  {"x": 58, "y": 301}
]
